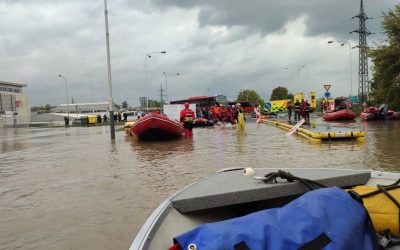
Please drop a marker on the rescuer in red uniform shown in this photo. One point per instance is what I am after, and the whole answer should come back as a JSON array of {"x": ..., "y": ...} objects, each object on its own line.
[{"x": 187, "y": 117}]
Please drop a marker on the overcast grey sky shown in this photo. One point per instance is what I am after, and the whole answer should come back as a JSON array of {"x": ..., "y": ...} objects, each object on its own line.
[{"x": 217, "y": 46}]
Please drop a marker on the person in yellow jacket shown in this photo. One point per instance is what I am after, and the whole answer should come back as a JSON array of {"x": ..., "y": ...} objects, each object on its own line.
[{"x": 241, "y": 119}]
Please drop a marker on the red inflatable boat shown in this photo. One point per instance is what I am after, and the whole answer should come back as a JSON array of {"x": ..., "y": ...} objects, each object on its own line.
[
  {"x": 340, "y": 115},
  {"x": 373, "y": 113},
  {"x": 201, "y": 122},
  {"x": 156, "y": 127}
]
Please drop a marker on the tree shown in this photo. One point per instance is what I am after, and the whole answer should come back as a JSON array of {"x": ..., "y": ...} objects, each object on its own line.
[
  {"x": 154, "y": 104},
  {"x": 385, "y": 84},
  {"x": 280, "y": 93},
  {"x": 42, "y": 109},
  {"x": 249, "y": 95},
  {"x": 124, "y": 104}
]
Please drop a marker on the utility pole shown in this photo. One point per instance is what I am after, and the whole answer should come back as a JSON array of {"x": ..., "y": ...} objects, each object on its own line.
[
  {"x": 162, "y": 97},
  {"x": 363, "y": 32}
]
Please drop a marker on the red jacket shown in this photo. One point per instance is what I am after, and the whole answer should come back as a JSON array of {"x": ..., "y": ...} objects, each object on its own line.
[{"x": 186, "y": 114}]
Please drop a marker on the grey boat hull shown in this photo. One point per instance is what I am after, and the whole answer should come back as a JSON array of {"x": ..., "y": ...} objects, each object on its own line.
[{"x": 227, "y": 194}]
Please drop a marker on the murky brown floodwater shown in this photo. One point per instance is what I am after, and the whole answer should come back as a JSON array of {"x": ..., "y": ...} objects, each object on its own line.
[{"x": 71, "y": 188}]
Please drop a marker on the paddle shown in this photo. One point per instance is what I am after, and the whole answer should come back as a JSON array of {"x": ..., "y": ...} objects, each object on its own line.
[{"x": 295, "y": 127}]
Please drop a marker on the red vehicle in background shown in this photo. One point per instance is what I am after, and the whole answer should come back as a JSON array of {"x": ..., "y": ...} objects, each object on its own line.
[
  {"x": 203, "y": 101},
  {"x": 204, "y": 105},
  {"x": 248, "y": 107}
]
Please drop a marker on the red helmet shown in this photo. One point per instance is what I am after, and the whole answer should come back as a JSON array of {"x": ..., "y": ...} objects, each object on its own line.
[{"x": 186, "y": 105}]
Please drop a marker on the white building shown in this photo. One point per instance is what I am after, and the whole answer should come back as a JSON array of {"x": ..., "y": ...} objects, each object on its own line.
[
  {"x": 14, "y": 105},
  {"x": 84, "y": 108}
]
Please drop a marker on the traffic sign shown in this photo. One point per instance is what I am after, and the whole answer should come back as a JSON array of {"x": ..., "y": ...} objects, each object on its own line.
[
  {"x": 353, "y": 99},
  {"x": 327, "y": 87},
  {"x": 268, "y": 105},
  {"x": 327, "y": 94}
]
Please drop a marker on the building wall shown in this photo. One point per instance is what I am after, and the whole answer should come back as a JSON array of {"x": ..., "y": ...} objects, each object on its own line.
[
  {"x": 14, "y": 109},
  {"x": 24, "y": 109}
]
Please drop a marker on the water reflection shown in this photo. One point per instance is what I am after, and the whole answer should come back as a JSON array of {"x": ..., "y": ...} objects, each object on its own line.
[
  {"x": 240, "y": 134},
  {"x": 383, "y": 142},
  {"x": 11, "y": 140},
  {"x": 159, "y": 152}
]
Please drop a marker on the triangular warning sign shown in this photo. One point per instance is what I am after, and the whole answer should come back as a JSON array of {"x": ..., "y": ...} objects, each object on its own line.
[{"x": 327, "y": 87}]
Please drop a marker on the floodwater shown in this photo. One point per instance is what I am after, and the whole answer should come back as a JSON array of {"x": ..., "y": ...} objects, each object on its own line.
[{"x": 72, "y": 188}]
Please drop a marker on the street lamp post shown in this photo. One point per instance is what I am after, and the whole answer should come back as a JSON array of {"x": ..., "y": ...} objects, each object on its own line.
[
  {"x": 66, "y": 92},
  {"x": 299, "y": 70},
  {"x": 148, "y": 55},
  {"x": 91, "y": 86},
  {"x": 166, "y": 83},
  {"x": 110, "y": 99},
  {"x": 342, "y": 43}
]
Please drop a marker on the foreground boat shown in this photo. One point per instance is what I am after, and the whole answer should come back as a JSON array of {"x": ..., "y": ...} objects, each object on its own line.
[
  {"x": 229, "y": 194},
  {"x": 156, "y": 127},
  {"x": 341, "y": 115}
]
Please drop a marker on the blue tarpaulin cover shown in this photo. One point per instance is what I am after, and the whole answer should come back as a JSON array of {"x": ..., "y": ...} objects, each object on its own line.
[{"x": 327, "y": 218}]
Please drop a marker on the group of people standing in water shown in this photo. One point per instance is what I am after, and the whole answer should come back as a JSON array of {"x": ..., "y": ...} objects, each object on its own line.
[
  {"x": 218, "y": 113},
  {"x": 301, "y": 110}
]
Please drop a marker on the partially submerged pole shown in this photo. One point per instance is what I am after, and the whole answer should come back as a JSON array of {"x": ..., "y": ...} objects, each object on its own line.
[{"x": 110, "y": 99}]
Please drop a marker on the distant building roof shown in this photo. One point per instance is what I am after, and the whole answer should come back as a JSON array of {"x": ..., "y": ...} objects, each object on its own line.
[
  {"x": 85, "y": 104},
  {"x": 198, "y": 97},
  {"x": 13, "y": 84}
]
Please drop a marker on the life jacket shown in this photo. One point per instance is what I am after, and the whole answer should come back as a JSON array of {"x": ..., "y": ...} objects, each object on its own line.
[
  {"x": 296, "y": 107},
  {"x": 382, "y": 204},
  {"x": 215, "y": 111},
  {"x": 327, "y": 218},
  {"x": 187, "y": 115}
]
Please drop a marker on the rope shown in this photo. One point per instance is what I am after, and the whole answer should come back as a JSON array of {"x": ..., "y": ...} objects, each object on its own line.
[{"x": 272, "y": 178}]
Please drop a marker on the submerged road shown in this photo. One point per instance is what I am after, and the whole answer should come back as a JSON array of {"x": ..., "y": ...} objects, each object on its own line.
[{"x": 71, "y": 188}]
